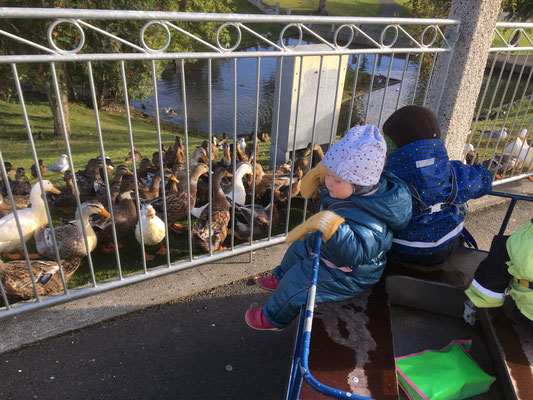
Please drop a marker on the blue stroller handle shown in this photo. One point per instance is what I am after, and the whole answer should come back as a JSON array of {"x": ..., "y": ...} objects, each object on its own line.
[{"x": 303, "y": 364}]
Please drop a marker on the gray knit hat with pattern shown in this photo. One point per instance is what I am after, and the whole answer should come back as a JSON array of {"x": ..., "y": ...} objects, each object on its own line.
[{"x": 359, "y": 156}]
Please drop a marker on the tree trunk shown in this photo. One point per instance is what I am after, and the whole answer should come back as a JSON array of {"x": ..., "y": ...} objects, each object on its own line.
[
  {"x": 322, "y": 6},
  {"x": 54, "y": 105}
]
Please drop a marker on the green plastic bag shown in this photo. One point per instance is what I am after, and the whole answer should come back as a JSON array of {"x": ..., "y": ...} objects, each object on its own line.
[{"x": 447, "y": 374}]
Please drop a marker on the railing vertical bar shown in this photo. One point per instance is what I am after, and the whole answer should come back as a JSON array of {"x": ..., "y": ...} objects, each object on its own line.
[
  {"x": 491, "y": 102},
  {"x": 314, "y": 127},
  {"x": 163, "y": 194},
  {"x": 528, "y": 152},
  {"x": 19, "y": 228},
  {"x": 418, "y": 71},
  {"x": 523, "y": 93},
  {"x": 386, "y": 90},
  {"x": 287, "y": 220},
  {"x": 210, "y": 132},
  {"x": 430, "y": 77},
  {"x": 256, "y": 127},
  {"x": 280, "y": 74},
  {"x": 106, "y": 175},
  {"x": 133, "y": 167},
  {"x": 352, "y": 100},
  {"x": 370, "y": 87},
  {"x": 186, "y": 131},
  {"x": 404, "y": 73},
  {"x": 71, "y": 165},
  {"x": 40, "y": 178},
  {"x": 234, "y": 161}
]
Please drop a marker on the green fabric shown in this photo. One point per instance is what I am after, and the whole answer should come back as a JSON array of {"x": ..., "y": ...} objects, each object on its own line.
[
  {"x": 447, "y": 374},
  {"x": 520, "y": 249},
  {"x": 482, "y": 301}
]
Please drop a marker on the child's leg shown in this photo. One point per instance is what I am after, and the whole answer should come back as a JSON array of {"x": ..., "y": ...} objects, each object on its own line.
[{"x": 294, "y": 254}]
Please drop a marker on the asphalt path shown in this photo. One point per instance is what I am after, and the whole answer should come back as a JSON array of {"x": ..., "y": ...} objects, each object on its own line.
[{"x": 196, "y": 348}]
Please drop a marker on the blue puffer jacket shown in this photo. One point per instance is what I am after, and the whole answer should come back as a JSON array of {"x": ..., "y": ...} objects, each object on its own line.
[
  {"x": 426, "y": 166},
  {"x": 359, "y": 244}
]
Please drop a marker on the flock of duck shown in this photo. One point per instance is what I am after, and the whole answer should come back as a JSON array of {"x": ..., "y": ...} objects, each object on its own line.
[{"x": 184, "y": 186}]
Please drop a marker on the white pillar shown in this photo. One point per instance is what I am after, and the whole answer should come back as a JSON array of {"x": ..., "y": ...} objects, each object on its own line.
[{"x": 461, "y": 81}]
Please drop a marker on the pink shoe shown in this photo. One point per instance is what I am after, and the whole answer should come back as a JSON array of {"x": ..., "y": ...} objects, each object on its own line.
[
  {"x": 269, "y": 283},
  {"x": 256, "y": 319}
]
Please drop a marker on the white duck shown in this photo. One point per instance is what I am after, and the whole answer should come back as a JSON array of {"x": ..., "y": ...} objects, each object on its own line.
[
  {"x": 31, "y": 219},
  {"x": 60, "y": 166},
  {"x": 515, "y": 147},
  {"x": 153, "y": 229}
]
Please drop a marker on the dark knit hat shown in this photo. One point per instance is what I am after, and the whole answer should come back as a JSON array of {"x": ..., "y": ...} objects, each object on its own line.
[{"x": 411, "y": 123}]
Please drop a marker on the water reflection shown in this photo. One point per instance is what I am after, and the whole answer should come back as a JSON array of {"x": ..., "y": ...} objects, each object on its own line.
[{"x": 196, "y": 84}]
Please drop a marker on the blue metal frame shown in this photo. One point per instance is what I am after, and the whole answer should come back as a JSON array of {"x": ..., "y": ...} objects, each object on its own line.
[{"x": 300, "y": 368}]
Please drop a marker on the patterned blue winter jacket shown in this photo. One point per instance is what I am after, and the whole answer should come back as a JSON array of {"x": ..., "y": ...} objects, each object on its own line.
[{"x": 426, "y": 166}]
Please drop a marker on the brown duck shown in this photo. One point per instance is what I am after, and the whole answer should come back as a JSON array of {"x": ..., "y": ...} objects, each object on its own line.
[{"x": 21, "y": 185}]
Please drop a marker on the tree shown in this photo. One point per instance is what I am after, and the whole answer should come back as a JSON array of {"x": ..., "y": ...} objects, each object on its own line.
[
  {"x": 322, "y": 6},
  {"x": 518, "y": 10},
  {"x": 73, "y": 77}
]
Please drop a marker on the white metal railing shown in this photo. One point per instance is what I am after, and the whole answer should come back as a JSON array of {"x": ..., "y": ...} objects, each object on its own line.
[
  {"x": 501, "y": 129},
  {"x": 378, "y": 40}
]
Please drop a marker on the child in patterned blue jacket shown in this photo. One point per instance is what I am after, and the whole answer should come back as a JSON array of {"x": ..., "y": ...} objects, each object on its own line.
[
  {"x": 362, "y": 205},
  {"x": 438, "y": 187}
]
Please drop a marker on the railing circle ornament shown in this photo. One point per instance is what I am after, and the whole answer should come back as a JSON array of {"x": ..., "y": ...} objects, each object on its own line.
[
  {"x": 384, "y": 32},
  {"x": 514, "y": 37},
  {"x": 65, "y": 21},
  {"x": 433, "y": 38},
  {"x": 167, "y": 31},
  {"x": 337, "y": 31},
  {"x": 239, "y": 36},
  {"x": 282, "y": 33}
]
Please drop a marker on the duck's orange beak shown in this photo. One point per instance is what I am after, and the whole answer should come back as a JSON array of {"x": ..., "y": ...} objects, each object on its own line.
[
  {"x": 104, "y": 212},
  {"x": 55, "y": 190},
  {"x": 174, "y": 179}
]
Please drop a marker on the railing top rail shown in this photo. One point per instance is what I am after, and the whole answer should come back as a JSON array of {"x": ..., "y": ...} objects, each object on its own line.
[
  {"x": 524, "y": 25},
  {"x": 42, "y": 13}
]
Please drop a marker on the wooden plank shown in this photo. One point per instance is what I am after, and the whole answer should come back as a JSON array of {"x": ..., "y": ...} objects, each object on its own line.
[{"x": 352, "y": 347}]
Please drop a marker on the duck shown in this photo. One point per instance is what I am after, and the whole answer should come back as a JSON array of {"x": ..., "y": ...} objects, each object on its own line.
[
  {"x": 240, "y": 193},
  {"x": 42, "y": 169},
  {"x": 263, "y": 136},
  {"x": 175, "y": 154},
  {"x": 17, "y": 283},
  {"x": 470, "y": 154},
  {"x": 261, "y": 218},
  {"x": 136, "y": 156},
  {"x": 69, "y": 237},
  {"x": 226, "y": 158},
  {"x": 282, "y": 195},
  {"x": 21, "y": 186},
  {"x": 176, "y": 203},
  {"x": 114, "y": 189},
  {"x": 60, "y": 166},
  {"x": 67, "y": 196},
  {"x": 21, "y": 202},
  {"x": 263, "y": 179},
  {"x": 199, "y": 155},
  {"x": 498, "y": 164},
  {"x": 153, "y": 230},
  {"x": 146, "y": 172},
  {"x": 516, "y": 146},
  {"x": 10, "y": 171},
  {"x": 31, "y": 219},
  {"x": 169, "y": 111},
  {"x": 153, "y": 191},
  {"x": 220, "y": 217},
  {"x": 86, "y": 178},
  {"x": 124, "y": 215}
]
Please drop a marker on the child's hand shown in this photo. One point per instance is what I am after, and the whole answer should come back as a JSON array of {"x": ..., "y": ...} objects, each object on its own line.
[
  {"x": 312, "y": 179},
  {"x": 326, "y": 222}
]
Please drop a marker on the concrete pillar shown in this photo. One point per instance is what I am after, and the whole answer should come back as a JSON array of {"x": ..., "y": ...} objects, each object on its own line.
[{"x": 461, "y": 85}]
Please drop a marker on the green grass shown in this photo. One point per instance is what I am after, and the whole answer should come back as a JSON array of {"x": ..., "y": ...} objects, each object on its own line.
[
  {"x": 359, "y": 8},
  {"x": 84, "y": 145}
]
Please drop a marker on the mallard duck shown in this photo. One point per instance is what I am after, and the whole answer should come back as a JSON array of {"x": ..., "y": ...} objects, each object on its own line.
[
  {"x": 21, "y": 186},
  {"x": 114, "y": 189},
  {"x": 89, "y": 178},
  {"x": 153, "y": 229},
  {"x": 263, "y": 136},
  {"x": 60, "y": 166},
  {"x": 31, "y": 219},
  {"x": 226, "y": 158},
  {"x": 125, "y": 216},
  {"x": 17, "y": 282},
  {"x": 136, "y": 156},
  {"x": 263, "y": 179},
  {"x": 42, "y": 168},
  {"x": 220, "y": 218},
  {"x": 67, "y": 197},
  {"x": 21, "y": 202},
  {"x": 10, "y": 172},
  {"x": 198, "y": 156},
  {"x": 155, "y": 185},
  {"x": 261, "y": 218},
  {"x": 282, "y": 195},
  {"x": 499, "y": 163},
  {"x": 69, "y": 237},
  {"x": 177, "y": 202},
  {"x": 175, "y": 154}
]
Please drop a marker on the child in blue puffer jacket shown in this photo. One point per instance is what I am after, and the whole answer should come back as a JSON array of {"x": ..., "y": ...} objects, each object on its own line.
[{"x": 362, "y": 205}]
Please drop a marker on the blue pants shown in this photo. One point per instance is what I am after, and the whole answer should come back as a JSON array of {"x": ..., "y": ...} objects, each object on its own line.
[{"x": 294, "y": 275}]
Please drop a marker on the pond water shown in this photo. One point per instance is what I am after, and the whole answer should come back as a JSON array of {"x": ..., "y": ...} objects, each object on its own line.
[{"x": 196, "y": 84}]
